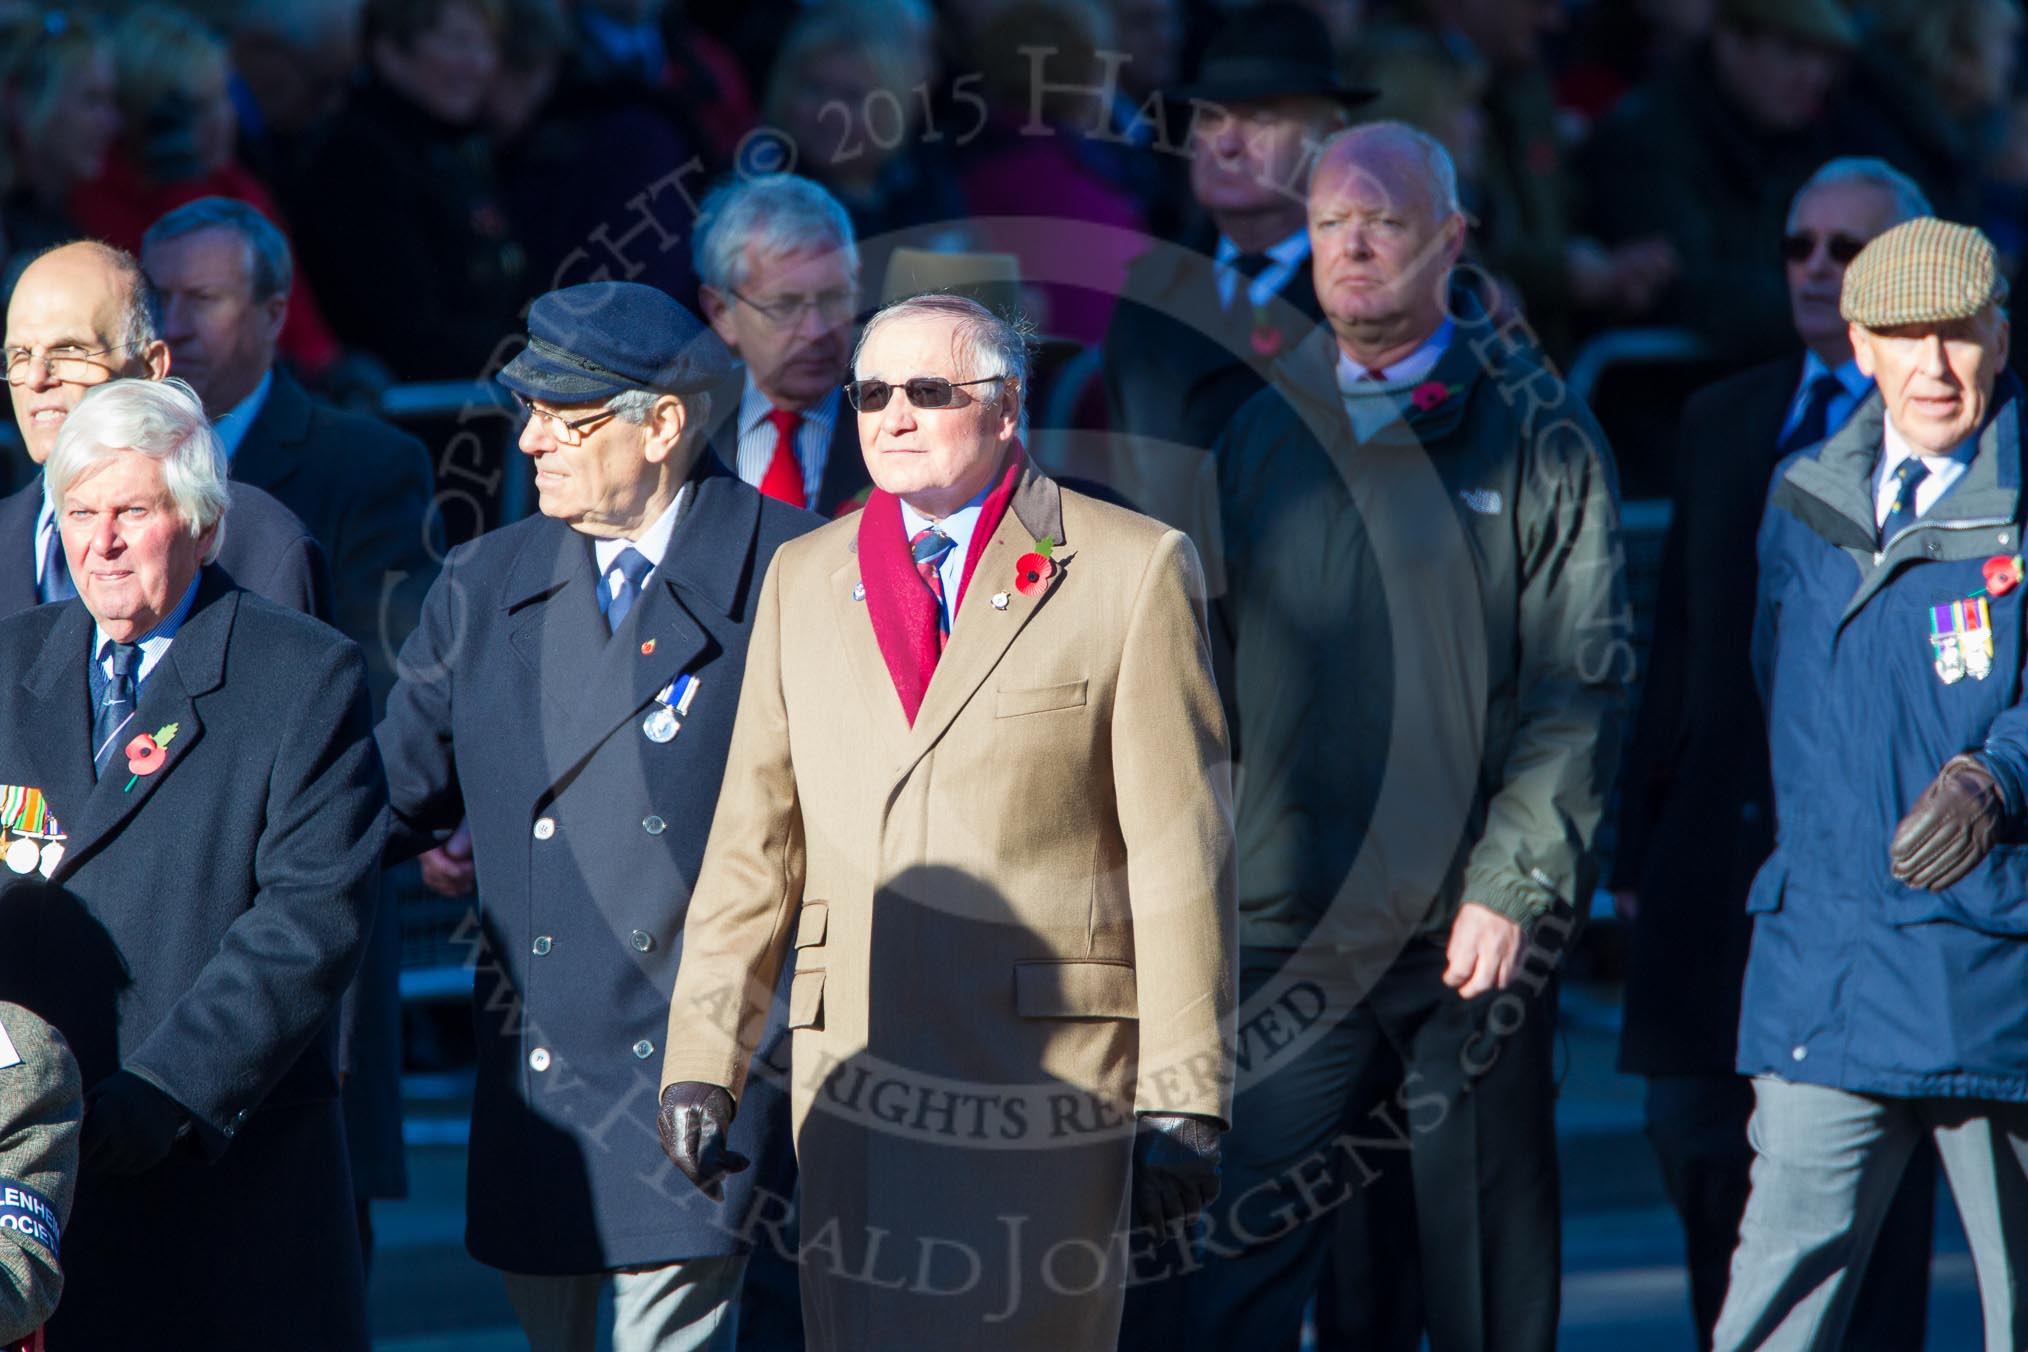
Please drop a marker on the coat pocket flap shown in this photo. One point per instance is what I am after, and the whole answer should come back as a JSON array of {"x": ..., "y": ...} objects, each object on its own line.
[
  {"x": 806, "y": 1000},
  {"x": 1074, "y": 990},
  {"x": 1010, "y": 703},
  {"x": 812, "y": 923}
]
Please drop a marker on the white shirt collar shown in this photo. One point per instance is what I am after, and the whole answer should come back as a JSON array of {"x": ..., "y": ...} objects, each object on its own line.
[
  {"x": 232, "y": 424},
  {"x": 959, "y": 525},
  {"x": 652, "y": 542},
  {"x": 1414, "y": 366},
  {"x": 154, "y": 643},
  {"x": 1944, "y": 470}
]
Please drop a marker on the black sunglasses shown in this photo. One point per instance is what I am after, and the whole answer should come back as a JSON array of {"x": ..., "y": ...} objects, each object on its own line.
[
  {"x": 871, "y": 396},
  {"x": 1801, "y": 248}
]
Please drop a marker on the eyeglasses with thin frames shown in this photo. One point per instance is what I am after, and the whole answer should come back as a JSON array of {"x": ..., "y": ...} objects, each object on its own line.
[
  {"x": 871, "y": 396},
  {"x": 567, "y": 431},
  {"x": 832, "y": 307},
  {"x": 69, "y": 364}
]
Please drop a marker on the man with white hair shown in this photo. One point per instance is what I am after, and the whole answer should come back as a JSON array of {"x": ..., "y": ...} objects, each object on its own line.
[
  {"x": 1425, "y": 632},
  {"x": 1697, "y": 772},
  {"x": 996, "y": 843},
  {"x": 81, "y": 314},
  {"x": 193, "y": 830},
  {"x": 1883, "y": 995},
  {"x": 780, "y": 285}
]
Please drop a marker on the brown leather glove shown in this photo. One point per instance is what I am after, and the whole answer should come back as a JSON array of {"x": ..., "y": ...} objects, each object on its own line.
[
  {"x": 1951, "y": 827},
  {"x": 694, "y": 1123}
]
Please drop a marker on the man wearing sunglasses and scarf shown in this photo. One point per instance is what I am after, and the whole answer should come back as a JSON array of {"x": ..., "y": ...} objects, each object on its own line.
[
  {"x": 1697, "y": 772},
  {"x": 979, "y": 801}
]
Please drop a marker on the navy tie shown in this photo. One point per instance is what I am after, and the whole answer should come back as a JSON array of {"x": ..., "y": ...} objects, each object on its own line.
[
  {"x": 116, "y": 706},
  {"x": 1907, "y": 476},
  {"x": 56, "y": 583},
  {"x": 1815, "y": 424},
  {"x": 633, "y": 567}
]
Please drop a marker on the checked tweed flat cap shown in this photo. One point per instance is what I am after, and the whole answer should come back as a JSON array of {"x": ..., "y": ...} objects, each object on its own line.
[{"x": 1923, "y": 271}]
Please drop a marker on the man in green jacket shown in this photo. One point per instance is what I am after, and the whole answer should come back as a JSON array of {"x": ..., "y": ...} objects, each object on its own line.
[{"x": 1425, "y": 645}]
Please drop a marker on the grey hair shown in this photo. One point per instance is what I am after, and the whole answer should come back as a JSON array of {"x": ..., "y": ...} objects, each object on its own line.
[
  {"x": 161, "y": 419},
  {"x": 1437, "y": 165},
  {"x": 1909, "y": 199},
  {"x": 269, "y": 268},
  {"x": 988, "y": 346},
  {"x": 634, "y": 405},
  {"x": 775, "y": 214}
]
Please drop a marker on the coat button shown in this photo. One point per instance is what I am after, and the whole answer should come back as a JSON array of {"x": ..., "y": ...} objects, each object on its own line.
[
  {"x": 642, "y": 941},
  {"x": 644, "y": 1049},
  {"x": 1801, "y": 1053},
  {"x": 1932, "y": 549},
  {"x": 545, "y": 827},
  {"x": 541, "y": 945},
  {"x": 653, "y": 825},
  {"x": 538, "y": 1060}
]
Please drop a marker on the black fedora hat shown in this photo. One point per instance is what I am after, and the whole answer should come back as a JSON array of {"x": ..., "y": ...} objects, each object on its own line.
[{"x": 1276, "y": 50}]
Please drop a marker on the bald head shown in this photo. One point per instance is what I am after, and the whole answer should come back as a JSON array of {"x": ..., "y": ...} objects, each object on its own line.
[
  {"x": 82, "y": 314},
  {"x": 1385, "y": 231}
]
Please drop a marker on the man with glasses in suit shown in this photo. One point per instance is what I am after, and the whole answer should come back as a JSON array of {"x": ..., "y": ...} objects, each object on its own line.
[
  {"x": 780, "y": 272},
  {"x": 83, "y": 314}
]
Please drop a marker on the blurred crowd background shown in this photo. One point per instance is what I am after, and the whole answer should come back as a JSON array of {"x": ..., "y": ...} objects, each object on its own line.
[{"x": 438, "y": 163}]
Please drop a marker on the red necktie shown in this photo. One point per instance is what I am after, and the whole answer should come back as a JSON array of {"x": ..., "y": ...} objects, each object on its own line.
[
  {"x": 784, "y": 479},
  {"x": 928, "y": 547}
]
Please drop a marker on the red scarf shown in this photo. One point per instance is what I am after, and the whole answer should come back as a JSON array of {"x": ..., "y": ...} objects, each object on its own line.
[{"x": 903, "y": 612}]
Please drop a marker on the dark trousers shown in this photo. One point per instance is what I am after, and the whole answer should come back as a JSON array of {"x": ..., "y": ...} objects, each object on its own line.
[
  {"x": 1428, "y": 1122},
  {"x": 1697, "y": 1124}
]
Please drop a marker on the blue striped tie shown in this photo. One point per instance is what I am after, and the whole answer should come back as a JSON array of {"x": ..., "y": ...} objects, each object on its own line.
[
  {"x": 633, "y": 567},
  {"x": 116, "y": 707}
]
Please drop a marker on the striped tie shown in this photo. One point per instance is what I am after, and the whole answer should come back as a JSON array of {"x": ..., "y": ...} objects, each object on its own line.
[
  {"x": 928, "y": 547},
  {"x": 116, "y": 706}
]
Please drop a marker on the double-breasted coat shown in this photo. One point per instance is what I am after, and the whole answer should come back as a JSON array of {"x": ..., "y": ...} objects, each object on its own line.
[
  {"x": 1012, "y": 923},
  {"x": 198, "y": 931},
  {"x": 516, "y": 708}
]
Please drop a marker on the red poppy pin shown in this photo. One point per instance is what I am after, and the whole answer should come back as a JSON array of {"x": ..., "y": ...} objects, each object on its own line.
[
  {"x": 148, "y": 753},
  {"x": 1430, "y": 393},
  {"x": 1033, "y": 571},
  {"x": 2003, "y": 574}
]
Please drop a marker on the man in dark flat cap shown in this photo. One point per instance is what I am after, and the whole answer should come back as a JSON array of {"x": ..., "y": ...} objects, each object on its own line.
[
  {"x": 1884, "y": 988},
  {"x": 570, "y": 691}
]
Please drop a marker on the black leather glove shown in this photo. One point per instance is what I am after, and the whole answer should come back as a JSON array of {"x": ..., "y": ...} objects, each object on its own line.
[
  {"x": 1175, "y": 1168},
  {"x": 129, "y": 1125},
  {"x": 695, "y": 1121},
  {"x": 1951, "y": 827}
]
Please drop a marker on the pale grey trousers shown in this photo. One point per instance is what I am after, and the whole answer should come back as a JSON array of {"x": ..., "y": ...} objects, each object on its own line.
[
  {"x": 692, "y": 1306},
  {"x": 1826, "y": 1164}
]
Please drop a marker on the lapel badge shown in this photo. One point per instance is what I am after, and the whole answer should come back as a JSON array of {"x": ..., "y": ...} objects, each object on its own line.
[
  {"x": 648, "y": 648},
  {"x": 999, "y": 600},
  {"x": 859, "y": 591},
  {"x": 146, "y": 754}
]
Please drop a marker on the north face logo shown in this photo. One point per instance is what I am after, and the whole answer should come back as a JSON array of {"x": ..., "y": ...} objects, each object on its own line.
[{"x": 1484, "y": 501}]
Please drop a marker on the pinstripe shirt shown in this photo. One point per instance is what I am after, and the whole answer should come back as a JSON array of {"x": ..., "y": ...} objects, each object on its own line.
[{"x": 757, "y": 438}]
